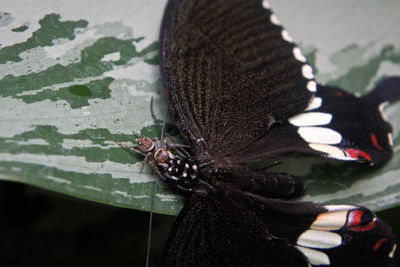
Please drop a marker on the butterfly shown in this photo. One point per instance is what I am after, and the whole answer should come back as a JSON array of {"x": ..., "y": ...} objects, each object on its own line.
[{"x": 242, "y": 92}]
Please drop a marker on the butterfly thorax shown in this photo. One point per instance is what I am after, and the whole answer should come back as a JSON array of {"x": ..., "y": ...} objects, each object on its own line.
[{"x": 171, "y": 164}]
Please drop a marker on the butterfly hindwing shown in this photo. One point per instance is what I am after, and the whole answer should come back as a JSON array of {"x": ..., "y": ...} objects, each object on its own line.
[
  {"x": 336, "y": 124},
  {"x": 229, "y": 71},
  {"x": 364, "y": 134},
  {"x": 233, "y": 228},
  {"x": 216, "y": 230}
]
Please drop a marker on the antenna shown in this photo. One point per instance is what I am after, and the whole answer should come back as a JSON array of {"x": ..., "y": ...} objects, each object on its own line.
[
  {"x": 151, "y": 222},
  {"x": 156, "y": 181}
]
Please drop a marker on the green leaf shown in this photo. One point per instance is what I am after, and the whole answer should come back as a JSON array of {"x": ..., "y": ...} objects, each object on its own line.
[{"x": 75, "y": 79}]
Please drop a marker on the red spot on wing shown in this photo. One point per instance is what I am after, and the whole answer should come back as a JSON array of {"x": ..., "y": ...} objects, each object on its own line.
[
  {"x": 379, "y": 243},
  {"x": 354, "y": 217},
  {"x": 339, "y": 93},
  {"x": 356, "y": 154},
  {"x": 359, "y": 221},
  {"x": 375, "y": 142}
]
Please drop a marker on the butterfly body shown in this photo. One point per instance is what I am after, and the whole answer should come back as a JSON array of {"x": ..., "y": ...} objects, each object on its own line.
[{"x": 173, "y": 165}]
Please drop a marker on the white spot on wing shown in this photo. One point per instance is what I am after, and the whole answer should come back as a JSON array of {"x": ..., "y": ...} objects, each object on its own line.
[
  {"x": 330, "y": 220},
  {"x": 274, "y": 20},
  {"x": 286, "y": 36},
  {"x": 314, "y": 257},
  {"x": 312, "y": 86},
  {"x": 320, "y": 135},
  {"x": 391, "y": 253},
  {"x": 390, "y": 139},
  {"x": 311, "y": 119},
  {"x": 266, "y": 5},
  {"x": 332, "y": 151},
  {"x": 299, "y": 55},
  {"x": 307, "y": 71},
  {"x": 382, "y": 107},
  {"x": 339, "y": 207},
  {"x": 315, "y": 103},
  {"x": 319, "y": 239}
]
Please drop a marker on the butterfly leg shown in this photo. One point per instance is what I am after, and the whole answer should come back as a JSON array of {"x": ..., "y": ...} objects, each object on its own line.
[
  {"x": 146, "y": 159},
  {"x": 180, "y": 149},
  {"x": 130, "y": 148},
  {"x": 136, "y": 134},
  {"x": 177, "y": 145}
]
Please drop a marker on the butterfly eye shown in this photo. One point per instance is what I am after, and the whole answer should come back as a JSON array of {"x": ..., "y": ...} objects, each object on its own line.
[
  {"x": 161, "y": 155},
  {"x": 145, "y": 144}
]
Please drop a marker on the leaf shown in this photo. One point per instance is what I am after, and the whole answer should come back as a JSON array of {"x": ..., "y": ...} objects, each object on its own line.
[{"x": 75, "y": 79}]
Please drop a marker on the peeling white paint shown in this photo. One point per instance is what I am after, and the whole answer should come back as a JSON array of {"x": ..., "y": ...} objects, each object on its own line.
[
  {"x": 92, "y": 188},
  {"x": 86, "y": 143},
  {"x": 167, "y": 198},
  {"x": 135, "y": 70},
  {"x": 112, "y": 57},
  {"x": 58, "y": 180},
  {"x": 366, "y": 188},
  {"x": 16, "y": 169},
  {"x": 80, "y": 165},
  {"x": 33, "y": 141}
]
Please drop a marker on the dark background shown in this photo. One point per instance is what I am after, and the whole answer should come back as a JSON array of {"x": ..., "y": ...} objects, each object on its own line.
[{"x": 38, "y": 227}]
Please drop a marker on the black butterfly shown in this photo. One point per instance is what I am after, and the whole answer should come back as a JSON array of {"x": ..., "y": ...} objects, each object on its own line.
[{"x": 242, "y": 92}]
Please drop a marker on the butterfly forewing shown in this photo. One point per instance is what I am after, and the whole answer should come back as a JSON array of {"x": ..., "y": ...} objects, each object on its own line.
[{"x": 230, "y": 71}]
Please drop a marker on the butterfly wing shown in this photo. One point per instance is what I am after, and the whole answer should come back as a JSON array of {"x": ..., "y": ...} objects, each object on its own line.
[
  {"x": 213, "y": 230},
  {"x": 336, "y": 124},
  {"x": 233, "y": 76},
  {"x": 229, "y": 71},
  {"x": 241, "y": 229}
]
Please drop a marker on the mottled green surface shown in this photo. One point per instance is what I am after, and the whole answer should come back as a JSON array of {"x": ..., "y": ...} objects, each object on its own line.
[
  {"x": 51, "y": 29},
  {"x": 72, "y": 83}
]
